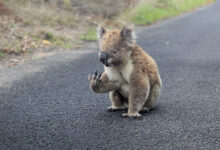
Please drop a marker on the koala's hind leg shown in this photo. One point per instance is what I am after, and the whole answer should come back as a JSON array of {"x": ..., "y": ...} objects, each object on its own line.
[
  {"x": 139, "y": 92},
  {"x": 153, "y": 97},
  {"x": 118, "y": 102}
]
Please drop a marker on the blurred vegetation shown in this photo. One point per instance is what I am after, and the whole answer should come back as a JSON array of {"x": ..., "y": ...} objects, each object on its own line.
[
  {"x": 146, "y": 13},
  {"x": 2, "y": 55},
  {"x": 89, "y": 35},
  {"x": 26, "y": 25}
]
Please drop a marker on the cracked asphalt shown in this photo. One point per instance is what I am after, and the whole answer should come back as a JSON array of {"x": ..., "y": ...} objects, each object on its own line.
[{"x": 47, "y": 103}]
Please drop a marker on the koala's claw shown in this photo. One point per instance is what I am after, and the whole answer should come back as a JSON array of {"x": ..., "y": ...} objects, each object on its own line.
[
  {"x": 96, "y": 72},
  {"x": 94, "y": 76},
  {"x": 95, "y": 80},
  {"x": 100, "y": 74}
]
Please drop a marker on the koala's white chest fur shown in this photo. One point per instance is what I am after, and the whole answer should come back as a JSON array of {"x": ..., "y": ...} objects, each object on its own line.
[{"x": 121, "y": 75}]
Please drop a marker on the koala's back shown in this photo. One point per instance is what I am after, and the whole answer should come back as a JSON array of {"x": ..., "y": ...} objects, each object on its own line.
[{"x": 144, "y": 64}]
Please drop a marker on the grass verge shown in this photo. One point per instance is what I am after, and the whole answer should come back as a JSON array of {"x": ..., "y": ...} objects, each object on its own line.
[
  {"x": 147, "y": 13},
  {"x": 89, "y": 35},
  {"x": 2, "y": 55}
]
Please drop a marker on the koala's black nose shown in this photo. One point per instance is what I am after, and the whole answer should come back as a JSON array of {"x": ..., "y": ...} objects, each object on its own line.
[{"x": 103, "y": 57}]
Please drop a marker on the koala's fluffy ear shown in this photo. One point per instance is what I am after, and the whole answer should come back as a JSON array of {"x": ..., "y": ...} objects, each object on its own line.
[
  {"x": 101, "y": 32},
  {"x": 128, "y": 35}
]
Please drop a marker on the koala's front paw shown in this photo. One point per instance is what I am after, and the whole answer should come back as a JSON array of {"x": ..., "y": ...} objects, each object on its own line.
[
  {"x": 133, "y": 115},
  {"x": 95, "y": 81}
]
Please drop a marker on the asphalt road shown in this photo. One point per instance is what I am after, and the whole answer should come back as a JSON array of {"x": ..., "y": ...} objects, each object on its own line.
[{"x": 47, "y": 103}]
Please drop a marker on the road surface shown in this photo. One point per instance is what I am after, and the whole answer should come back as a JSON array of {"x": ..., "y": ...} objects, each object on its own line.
[{"x": 47, "y": 103}]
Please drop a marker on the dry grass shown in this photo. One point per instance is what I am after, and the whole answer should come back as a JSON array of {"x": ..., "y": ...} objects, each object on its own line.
[
  {"x": 106, "y": 8},
  {"x": 42, "y": 14},
  {"x": 26, "y": 24}
]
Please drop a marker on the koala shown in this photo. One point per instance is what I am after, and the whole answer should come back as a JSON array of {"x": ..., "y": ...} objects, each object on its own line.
[{"x": 131, "y": 76}]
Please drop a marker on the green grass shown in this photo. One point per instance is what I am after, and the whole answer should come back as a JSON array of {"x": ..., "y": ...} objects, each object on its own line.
[
  {"x": 145, "y": 13},
  {"x": 64, "y": 43},
  {"x": 67, "y": 3},
  {"x": 89, "y": 35},
  {"x": 2, "y": 55}
]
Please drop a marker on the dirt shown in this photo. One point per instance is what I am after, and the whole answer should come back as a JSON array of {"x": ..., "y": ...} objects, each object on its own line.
[{"x": 14, "y": 60}]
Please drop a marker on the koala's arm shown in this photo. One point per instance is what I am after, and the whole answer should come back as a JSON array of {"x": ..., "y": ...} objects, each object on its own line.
[{"x": 101, "y": 84}]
